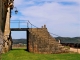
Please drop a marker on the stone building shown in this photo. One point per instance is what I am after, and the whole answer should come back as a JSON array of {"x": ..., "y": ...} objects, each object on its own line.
[{"x": 5, "y": 13}]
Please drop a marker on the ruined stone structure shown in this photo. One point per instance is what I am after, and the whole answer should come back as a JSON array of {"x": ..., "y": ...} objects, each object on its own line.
[
  {"x": 38, "y": 39},
  {"x": 5, "y": 14}
]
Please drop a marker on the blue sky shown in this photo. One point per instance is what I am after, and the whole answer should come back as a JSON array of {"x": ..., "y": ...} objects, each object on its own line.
[{"x": 62, "y": 17}]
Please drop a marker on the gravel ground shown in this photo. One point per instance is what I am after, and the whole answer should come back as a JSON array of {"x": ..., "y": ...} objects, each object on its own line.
[{"x": 75, "y": 50}]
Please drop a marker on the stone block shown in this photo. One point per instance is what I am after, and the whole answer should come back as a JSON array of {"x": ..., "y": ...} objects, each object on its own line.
[{"x": 44, "y": 43}]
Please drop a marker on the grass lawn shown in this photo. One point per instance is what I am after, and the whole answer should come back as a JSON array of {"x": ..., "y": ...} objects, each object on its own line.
[{"x": 21, "y": 54}]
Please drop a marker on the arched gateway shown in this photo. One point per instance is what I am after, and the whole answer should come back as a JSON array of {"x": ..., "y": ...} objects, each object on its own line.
[{"x": 38, "y": 39}]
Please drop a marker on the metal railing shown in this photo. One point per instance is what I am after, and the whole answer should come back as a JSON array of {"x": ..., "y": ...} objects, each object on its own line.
[{"x": 28, "y": 24}]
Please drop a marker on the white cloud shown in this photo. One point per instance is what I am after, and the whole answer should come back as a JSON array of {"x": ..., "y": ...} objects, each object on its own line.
[{"x": 60, "y": 19}]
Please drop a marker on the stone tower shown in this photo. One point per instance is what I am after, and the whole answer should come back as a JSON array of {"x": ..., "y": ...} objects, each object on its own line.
[{"x": 5, "y": 13}]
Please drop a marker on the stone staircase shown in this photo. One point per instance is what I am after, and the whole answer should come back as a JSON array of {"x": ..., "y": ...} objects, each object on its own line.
[{"x": 40, "y": 41}]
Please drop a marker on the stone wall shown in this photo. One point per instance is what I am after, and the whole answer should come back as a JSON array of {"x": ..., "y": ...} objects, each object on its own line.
[
  {"x": 1, "y": 41},
  {"x": 40, "y": 41},
  {"x": 3, "y": 11},
  {"x": 5, "y": 14}
]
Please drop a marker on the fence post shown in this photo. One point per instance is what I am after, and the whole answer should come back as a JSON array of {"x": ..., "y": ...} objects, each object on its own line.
[
  {"x": 27, "y": 25},
  {"x": 77, "y": 47},
  {"x": 31, "y": 27},
  {"x": 19, "y": 24}
]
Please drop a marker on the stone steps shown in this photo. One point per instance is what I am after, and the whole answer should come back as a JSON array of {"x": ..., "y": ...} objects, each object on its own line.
[{"x": 44, "y": 42}]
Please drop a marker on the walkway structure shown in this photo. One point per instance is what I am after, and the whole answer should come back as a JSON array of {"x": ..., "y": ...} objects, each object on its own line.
[{"x": 39, "y": 40}]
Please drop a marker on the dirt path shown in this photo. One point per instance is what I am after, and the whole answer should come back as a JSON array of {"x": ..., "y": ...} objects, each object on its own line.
[{"x": 75, "y": 50}]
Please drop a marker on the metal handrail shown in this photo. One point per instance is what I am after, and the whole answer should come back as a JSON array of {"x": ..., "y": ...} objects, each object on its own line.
[
  {"x": 29, "y": 23},
  {"x": 31, "y": 26},
  {"x": 55, "y": 34}
]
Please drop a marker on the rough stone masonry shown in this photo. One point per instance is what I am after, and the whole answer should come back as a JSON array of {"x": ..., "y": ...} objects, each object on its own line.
[
  {"x": 5, "y": 13},
  {"x": 1, "y": 41},
  {"x": 40, "y": 41}
]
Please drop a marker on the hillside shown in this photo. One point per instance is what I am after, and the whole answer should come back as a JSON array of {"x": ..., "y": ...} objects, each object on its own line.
[
  {"x": 63, "y": 40},
  {"x": 68, "y": 39},
  {"x": 16, "y": 41}
]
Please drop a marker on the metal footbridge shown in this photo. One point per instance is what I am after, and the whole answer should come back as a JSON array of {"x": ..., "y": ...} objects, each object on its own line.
[{"x": 23, "y": 25}]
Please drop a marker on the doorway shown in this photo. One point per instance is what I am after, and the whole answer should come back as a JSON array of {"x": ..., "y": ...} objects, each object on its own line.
[{"x": 19, "y": 39}]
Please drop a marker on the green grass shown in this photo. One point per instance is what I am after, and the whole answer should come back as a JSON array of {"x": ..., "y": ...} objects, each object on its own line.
[{"x": 21, "y": 54}]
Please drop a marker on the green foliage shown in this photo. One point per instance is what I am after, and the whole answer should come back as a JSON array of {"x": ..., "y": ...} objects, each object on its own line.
[
  {"x": 17, "y": 41},
  {"x": 21, "y": 54},
  {"x": 63, "y": 40},
  {"x": 0, "y": 56},
  {"x": 67, "y": 47},
  {"x": 68, "y": 39}
]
